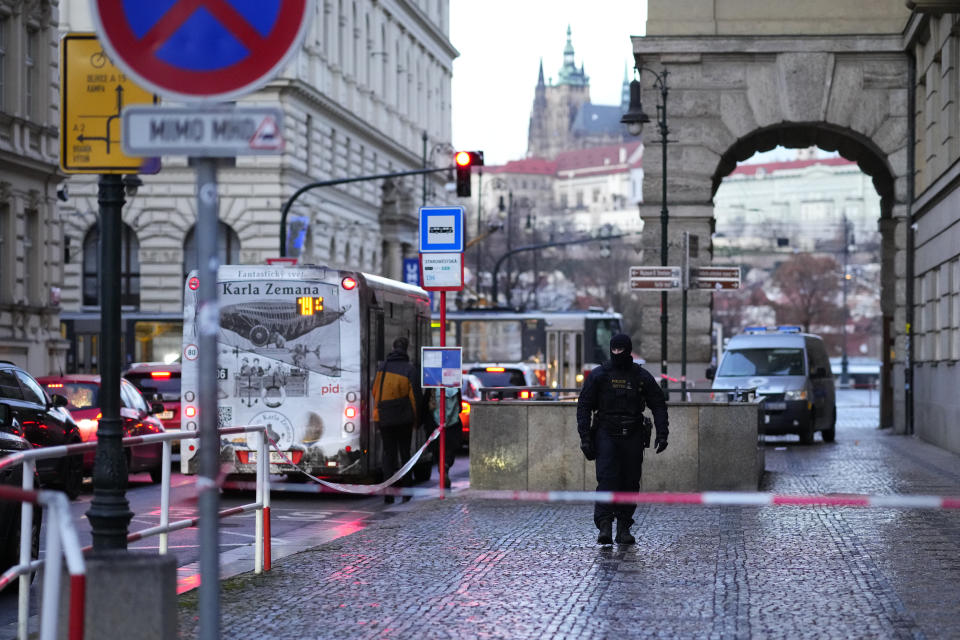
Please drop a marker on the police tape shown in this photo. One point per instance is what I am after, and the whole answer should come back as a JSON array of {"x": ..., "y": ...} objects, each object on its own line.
[{"x": 379, "y": 488}]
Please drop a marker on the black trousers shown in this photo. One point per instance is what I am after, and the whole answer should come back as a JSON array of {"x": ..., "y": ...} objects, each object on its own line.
[
  {"x": 619, "y": 461},
  {"x": 453, "y": 440},
  {"x": 396, "y": 451}
]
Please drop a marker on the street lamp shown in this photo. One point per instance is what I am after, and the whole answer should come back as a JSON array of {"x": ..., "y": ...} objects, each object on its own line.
[{"x": 635, "y": 118}]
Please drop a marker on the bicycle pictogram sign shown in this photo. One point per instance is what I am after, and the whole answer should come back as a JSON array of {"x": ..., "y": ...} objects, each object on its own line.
[{"x": 202, "y": 49}]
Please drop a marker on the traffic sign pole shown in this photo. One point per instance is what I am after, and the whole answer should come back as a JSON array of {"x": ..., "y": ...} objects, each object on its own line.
[
  {"x": 208, "y": 315},
  {"x": 442, "y": 403}
]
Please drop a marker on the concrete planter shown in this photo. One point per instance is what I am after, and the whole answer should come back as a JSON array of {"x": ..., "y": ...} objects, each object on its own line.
[{"x": 534, "y": 446}]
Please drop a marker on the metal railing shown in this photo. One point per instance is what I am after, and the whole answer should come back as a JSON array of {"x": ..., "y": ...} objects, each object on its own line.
[
  {"x": 61, "y": 537},
  {"x": 737, "y": 394},
  {"x": 261, "y": 505}
]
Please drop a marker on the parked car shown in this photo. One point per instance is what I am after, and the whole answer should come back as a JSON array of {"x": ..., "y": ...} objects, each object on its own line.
[
  {"x": 791, "y": 372},
  {"x": 469, "y": 393},
  {"x": 44, "y": 422},
  {"x": 155, "y": 379},
  {"x": 10, "y": 511},
  {"x": 494, "y": 374},
  {"x": 82, "y": 392}
]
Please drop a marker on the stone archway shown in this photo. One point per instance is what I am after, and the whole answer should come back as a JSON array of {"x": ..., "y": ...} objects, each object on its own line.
[{"x": 731, "y": 96}]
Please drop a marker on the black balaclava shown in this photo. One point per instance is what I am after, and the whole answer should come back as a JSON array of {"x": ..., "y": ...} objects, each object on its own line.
[{"x": 625, "y": 359}]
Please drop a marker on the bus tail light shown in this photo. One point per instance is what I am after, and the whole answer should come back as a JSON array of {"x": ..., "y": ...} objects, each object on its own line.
[
  {"x": 348, "y": 283},
  {"x": 190, "y": 412},
  {"x": 350, "y": 412}
]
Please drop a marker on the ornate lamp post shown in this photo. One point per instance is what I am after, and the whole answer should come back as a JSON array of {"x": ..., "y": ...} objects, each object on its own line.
[{"x": 635, "y": 118}]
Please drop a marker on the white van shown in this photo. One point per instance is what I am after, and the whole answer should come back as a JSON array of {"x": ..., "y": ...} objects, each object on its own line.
[{"x": 791, "y": 372}]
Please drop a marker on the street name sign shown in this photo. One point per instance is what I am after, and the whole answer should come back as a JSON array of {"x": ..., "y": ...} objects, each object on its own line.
[
  {"x": 715, "y": 278},
  {"x": 440, "y": 366},
  {"x": 655, "y": 278},
  {"x": 441, "y": 271},
  {"x": 93, "y": 93},
  {"x": 441, "y": 229},
  {"x": 202, "y": 132},
  {"x": 202, "y": 50}
]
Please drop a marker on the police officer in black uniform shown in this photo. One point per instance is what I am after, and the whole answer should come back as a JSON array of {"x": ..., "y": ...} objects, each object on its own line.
[{"x": 614, "y": 431}]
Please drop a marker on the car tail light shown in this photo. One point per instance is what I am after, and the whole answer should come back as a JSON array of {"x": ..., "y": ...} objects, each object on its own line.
[
  {"x": 55, "y": 385},
  {"x": 190, "y": 412},
  {"x": 348, "y": 283},
  {"x": 496, "y": 369},
  {"x": 350, "y": 412},
  {"x": 159, "y": 374},
  {"x": 465, "y": 407},
  {"x": 524, "y": 395}
]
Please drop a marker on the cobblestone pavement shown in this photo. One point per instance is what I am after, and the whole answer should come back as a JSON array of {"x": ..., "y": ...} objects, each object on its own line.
[{"x": 483, "y": 569}]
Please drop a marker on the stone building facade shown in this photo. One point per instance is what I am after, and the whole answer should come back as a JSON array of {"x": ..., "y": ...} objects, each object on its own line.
[
  {"x": 366, "y": 94},
  {"x": 880, "y": 88},
  {"x": 30, "y": 231}
]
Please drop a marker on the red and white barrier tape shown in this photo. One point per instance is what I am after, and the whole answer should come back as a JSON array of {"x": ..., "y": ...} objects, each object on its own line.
[
  {"x": 727, "y": 498},
  {"x": 365, "y": 488}
]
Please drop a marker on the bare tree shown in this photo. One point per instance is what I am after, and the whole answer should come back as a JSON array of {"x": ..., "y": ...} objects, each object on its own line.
[{"x": 809, "y": 286}]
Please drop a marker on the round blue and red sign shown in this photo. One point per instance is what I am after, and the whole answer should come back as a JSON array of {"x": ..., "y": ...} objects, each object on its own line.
[{"x": 201, "y": 49}]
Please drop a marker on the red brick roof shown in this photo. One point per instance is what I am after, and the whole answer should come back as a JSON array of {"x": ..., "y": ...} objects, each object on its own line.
[
  {"x": 771, "y": 167},
  {"x": 595, "y": 161}
]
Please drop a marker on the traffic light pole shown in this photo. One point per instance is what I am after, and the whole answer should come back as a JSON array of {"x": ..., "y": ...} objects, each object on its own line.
[{"x": 331, "y": 183}]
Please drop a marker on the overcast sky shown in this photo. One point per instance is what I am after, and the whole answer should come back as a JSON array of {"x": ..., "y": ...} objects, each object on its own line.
[{"x": 501, "y": 43}]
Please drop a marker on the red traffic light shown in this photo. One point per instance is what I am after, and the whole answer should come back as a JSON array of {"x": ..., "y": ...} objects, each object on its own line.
[{"x": 462, "y": 158}]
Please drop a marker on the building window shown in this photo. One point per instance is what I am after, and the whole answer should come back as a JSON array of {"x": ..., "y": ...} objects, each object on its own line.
[
  {"x": 309, "y": 142},
  {"x": 31, "y": 72},
  {"x": 228, "y": 247},
  {"x": 33, "y": 246},
  {"x": 4, "y": 270},
  {"x": 955, "y": 310},
  {"x": 3, "y": 58},
  {"x": 129, "y": 267}
]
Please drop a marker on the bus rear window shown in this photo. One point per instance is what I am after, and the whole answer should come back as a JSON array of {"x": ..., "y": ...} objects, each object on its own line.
[{"x": 598, "y": 334}]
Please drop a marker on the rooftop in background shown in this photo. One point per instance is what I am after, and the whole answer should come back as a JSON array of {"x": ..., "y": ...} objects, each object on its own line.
[
  {"x": 766, "y": 168},
  {"x": 595, "y": 160}
]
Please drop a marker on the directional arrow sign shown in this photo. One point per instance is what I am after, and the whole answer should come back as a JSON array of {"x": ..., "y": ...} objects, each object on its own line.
[
  {"x": 715, "y": 278},
  {"x": 93, "y": 93},
  {"x": 655, "y": 278},
  {"x": 202, "y": 132}
]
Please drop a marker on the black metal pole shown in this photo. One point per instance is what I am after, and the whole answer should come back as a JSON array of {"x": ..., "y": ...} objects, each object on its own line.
[
  {"x": 330, "y": 183},
  {"x": 109, "y": 512},
  {"x": 509, "y": 247},
  {"x": 424, "y": 199},
  {"x": 844, "y": 360},
  {"x": 479, "y": 222},
  {"x": 664, "y": 218}
]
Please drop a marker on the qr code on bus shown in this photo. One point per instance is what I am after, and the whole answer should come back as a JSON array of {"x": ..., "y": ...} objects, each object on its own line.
[{"x": 224, "y": 416}]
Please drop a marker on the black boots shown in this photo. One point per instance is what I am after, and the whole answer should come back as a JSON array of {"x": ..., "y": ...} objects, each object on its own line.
[
  {"x": 606, "y": 533},
  {"x": 623, "y": 533}
]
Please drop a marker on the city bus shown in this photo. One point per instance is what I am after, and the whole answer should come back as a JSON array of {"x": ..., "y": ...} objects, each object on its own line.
[
  {"x": 561, "y": 347},
  {"x": 298, "y": 349}
]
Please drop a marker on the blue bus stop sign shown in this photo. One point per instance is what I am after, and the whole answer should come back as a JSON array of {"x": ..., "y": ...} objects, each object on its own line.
[
  {"x": 194, "y": 50},
  {"x": 441, "y": 229}
]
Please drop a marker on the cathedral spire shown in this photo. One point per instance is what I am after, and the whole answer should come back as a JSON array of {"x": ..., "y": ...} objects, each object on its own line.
[
  {"x": 569, "y": 73},
  {"x": 540, "y": 77}
]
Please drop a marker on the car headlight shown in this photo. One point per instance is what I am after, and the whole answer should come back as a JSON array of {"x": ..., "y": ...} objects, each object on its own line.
[{"x": 797, "y": 394}]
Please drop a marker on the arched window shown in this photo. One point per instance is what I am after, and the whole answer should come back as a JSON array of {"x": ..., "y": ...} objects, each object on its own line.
[
  {"x": 228, "y": 247},
  {"x": 129, "y": 267}
]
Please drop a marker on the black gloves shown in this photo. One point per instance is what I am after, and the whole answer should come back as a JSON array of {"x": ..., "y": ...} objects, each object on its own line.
[
  {"x": 586, "y": 445},
  {"x": 660, "y": 445}
]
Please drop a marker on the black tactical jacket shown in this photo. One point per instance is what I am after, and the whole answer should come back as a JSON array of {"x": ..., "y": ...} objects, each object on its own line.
[{"x": 620, "y": 395}]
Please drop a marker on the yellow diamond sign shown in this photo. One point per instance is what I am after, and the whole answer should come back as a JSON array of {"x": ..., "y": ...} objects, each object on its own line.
[{"x": 93, "y": 93}]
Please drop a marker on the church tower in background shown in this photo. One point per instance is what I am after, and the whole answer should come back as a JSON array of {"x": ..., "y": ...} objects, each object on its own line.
[{"x": 563, "y": 118}]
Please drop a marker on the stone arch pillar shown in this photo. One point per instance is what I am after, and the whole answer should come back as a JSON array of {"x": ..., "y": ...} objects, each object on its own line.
[{"x": 731, "y": 96}]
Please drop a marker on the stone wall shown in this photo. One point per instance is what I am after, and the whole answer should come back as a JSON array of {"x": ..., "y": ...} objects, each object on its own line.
[{"x": 534, "y": 446}]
